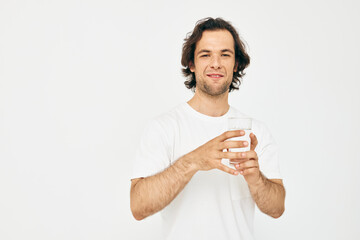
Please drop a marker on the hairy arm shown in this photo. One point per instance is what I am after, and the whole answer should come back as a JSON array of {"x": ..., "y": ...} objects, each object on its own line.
[
  {"x": 150, "y": 195},
  {"x": 269, "y": 195}
]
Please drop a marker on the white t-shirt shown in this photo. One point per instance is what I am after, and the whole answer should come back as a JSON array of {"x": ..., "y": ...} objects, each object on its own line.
[{"x": 214, "y": 204}]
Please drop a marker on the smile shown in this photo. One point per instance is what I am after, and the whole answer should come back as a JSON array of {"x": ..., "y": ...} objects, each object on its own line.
[{"x": 215, "y": 75}]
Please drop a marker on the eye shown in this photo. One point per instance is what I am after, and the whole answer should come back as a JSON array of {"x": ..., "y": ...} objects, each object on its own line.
[
  {"x": 205, "y": 55},
  {"x": 226, "y": 55}
]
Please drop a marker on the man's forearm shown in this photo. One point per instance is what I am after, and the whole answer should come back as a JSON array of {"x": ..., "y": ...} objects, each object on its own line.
[
  {"x": 150, "y": 195},
  {"x": 269, "y": 196}
]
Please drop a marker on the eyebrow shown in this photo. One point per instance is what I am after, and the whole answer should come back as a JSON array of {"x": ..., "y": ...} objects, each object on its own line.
[{"x": 207, "y": 51}]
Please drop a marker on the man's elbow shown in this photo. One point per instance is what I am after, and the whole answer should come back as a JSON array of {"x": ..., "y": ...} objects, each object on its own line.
[
  {"x": 278, "y": 213},
  {"x": 134, "y": 201},
  {"x": 136, "y": 213},
  {"x": 137, "y": 216}
]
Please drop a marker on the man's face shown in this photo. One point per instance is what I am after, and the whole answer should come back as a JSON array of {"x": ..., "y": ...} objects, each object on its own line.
[{"x": 214, "y": 62}]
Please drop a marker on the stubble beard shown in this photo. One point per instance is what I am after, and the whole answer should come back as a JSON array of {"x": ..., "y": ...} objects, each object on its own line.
[{"x": 214, "y": 91}]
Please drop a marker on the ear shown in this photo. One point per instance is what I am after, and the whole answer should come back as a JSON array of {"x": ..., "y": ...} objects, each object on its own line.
[{"x": 192, "y": 66}]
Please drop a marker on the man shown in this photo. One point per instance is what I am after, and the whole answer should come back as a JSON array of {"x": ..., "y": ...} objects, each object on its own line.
[{"x": 178, "y": 169}]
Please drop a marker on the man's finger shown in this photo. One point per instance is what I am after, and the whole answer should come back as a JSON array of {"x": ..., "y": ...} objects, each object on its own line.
[
  {"x": 247, "y": 164},
  {"x": 249, "y": 171},
  {"x": 226, "y": 169},
  {"x": 233, "y": 144},
  {"x": 238, "y": 160},
  {"x": 230, "y": 134},
  {"x": 231, "y": 155},
  {"x": 249, "y": 155},
  {"x": 254, "y": 141}
]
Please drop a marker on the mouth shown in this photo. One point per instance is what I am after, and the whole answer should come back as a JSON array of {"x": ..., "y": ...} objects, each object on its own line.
[{"x": 215, "y": 76}]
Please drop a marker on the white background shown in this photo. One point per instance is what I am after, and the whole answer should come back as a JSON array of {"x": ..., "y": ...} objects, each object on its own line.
[{"x": 79, "y": 79}]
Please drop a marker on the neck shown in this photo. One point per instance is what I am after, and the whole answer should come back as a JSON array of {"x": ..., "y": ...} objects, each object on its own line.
[{"x": 214, "y": 106}]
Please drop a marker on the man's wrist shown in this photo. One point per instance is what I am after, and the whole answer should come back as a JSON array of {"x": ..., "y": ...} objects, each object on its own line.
[
  {"x": 186, "y": 165},
  {"x": 261, "y": 182}
]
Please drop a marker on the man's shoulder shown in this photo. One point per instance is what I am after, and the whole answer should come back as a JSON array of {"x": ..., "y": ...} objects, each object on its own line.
[{"x": 170, "y": 117}]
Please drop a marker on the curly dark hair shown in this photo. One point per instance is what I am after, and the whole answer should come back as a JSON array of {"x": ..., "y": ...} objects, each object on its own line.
[{"x": 242, "y": 59}]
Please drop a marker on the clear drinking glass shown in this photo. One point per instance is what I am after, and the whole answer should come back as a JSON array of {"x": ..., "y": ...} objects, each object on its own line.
[{"x": 240, "y": 123}]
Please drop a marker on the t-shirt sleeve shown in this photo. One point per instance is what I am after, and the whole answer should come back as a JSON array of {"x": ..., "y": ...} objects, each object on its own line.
[
  {"x": 153, "y": 153},
  {"x": 267, "y": 151}
]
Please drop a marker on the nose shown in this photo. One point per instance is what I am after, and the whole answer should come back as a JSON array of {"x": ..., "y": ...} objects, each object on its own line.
[{"x": 215, "y": 62}]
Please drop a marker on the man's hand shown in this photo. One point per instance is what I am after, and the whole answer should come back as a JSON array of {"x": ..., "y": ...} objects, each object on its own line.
[
  {"x": 248, "y": 164},
  {"x": 269, "y": 194},
  {"x": 209, "y": 155}
]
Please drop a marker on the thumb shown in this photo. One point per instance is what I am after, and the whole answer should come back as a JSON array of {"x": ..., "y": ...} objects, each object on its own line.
[{"x": 254, "y": 141}]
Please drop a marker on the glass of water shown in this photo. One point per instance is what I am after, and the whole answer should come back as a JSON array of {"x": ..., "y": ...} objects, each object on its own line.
[{"x": 240, "y": 123}]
